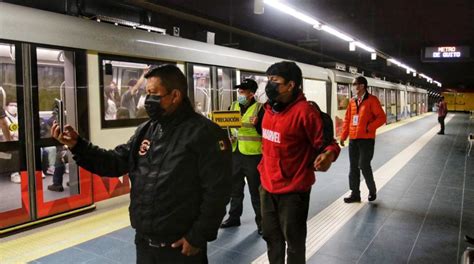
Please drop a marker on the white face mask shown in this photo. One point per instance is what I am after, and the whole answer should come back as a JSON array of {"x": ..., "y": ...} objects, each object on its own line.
[{"x": 12, "y": 109}]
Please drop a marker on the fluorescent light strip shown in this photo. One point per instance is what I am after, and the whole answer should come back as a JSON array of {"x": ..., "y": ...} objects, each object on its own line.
[
  {"x": 292, "y": 12},
  {"x": 364, "y": 47},
  {"x": 336, "y": 33}
]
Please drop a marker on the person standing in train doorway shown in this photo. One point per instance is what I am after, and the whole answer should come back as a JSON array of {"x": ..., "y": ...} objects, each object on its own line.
[
  {"x": 442, "y": 112},
  {"x": 363, "y": 116},
  {"x": 180, "y": 167},
  {"x": 292, "y": 139},
  {"x": 246, "y": 154}
]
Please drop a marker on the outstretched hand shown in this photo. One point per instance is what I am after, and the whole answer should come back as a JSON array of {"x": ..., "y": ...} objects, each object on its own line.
[{"x": 68, "y": 137}]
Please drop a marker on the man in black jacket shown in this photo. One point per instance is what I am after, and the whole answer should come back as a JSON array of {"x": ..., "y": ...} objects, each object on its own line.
[{"x": 179, "y": 164}]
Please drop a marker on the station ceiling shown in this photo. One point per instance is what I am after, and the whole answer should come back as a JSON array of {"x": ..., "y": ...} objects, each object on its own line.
[{"x": 400, "y": 29}]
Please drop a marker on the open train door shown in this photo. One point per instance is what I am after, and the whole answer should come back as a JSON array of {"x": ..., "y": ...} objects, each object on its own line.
[{"x": 40, "y": 179}]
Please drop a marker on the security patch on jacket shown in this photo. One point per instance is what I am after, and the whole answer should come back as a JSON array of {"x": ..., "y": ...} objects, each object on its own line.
[
  {"x": 222, "y": 145},
  {"x": 144, "y": 147}
]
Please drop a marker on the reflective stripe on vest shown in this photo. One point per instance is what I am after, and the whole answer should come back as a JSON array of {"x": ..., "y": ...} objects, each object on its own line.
[{"x": 249, "y": 141}]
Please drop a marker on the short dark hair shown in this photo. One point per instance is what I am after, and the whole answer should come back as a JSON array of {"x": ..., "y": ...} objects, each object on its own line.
[
  {"x": 288, "y": 70},
  {"x": 171, "y": 78},
  {"x": 362, "y": 80}
]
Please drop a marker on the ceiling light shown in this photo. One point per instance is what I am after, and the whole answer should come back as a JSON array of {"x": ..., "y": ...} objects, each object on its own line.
[
  {"x": 352, "y": 46},
  {"x": 335, "y": 32},
  {"x": 292, "y": 12},
  {"x": 258, "y": 7},
  {"x": 373, "y": 56},
  {"x": 364, "y": 47}
]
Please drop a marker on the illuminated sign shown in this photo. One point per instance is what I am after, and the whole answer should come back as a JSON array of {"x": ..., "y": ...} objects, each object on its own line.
[{"x": 447, "y": 53}]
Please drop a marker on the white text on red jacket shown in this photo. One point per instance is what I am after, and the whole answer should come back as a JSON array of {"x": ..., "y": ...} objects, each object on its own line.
[{"x": 271, "y": 135}]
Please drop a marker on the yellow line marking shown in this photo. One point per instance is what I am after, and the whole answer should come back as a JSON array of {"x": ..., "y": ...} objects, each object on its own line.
[
  {"x": 43, "y": 243},
  {"x": 330, "y": 220}
]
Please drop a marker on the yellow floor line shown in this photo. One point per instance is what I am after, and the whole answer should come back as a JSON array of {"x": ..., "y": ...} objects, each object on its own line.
[
  {"x": 55, "y": 239},
  {"x": 58, "y": 238}
]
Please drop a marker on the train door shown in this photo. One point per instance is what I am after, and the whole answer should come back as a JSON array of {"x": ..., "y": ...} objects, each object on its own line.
[
  {"x": 413, "y": 104},
  {"x": 40, "y": 179},
  {"x": 15, "y": 205},
  {"x": 59, "y": 185},
  {"x": 211, "y": 87}
]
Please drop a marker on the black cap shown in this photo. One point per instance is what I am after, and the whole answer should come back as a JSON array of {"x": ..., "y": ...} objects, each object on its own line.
[{"x": 248, "y": 84}]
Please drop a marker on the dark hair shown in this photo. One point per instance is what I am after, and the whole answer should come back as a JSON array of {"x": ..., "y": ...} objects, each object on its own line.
[
  {"x": 288, "y": 70},
  {"x": 171, "y": 78},
  {"x": 362, "y": 80}
]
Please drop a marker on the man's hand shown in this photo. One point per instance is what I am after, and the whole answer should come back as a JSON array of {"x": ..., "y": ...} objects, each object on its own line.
[
  {"x": 254, "y": 120},
  {"x": 341, "y": 142},
  {"x": 188, "y": 249},
  {"x": 68, "y": 138},
  {"x": 323, "y": 161}
]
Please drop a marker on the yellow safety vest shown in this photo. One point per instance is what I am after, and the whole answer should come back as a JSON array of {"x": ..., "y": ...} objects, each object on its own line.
[{"x": 249, "y": 141}]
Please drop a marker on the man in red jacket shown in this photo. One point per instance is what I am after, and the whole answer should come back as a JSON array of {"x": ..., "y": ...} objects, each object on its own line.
[
  {"x": 442, "y": 113},
  {"x": 292, "y": 134},
  {"x": 363, "y": 116}
]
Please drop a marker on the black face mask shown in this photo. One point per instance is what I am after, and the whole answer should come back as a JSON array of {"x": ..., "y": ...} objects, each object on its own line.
[
  {"x": 153, "y": 107},
  {"x": 272, "y": 91}
]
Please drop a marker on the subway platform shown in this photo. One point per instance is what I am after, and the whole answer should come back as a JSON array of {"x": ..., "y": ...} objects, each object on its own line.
[{"x": 425, "y": 206}]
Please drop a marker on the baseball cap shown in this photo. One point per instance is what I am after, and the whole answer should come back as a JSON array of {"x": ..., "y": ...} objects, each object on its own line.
[{"x": 248, "y": 84}]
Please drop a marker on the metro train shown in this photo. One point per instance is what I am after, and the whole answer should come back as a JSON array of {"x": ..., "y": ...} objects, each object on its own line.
[{"x": 90, "y": 66}]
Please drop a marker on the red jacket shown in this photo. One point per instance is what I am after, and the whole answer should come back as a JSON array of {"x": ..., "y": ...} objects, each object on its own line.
[
  {"x": 290, "y": 140},
  {"x": 442, "y": 109},
  {"x": 370, "y": 117}
]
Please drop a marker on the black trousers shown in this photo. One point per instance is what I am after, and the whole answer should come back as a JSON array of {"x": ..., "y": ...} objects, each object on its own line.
[
  {"x": 361, "y": 152},
  {"x": 147, "y": 254},
  {"x": 441, "y": 122},
  {"x": 284, "y": 221},
  {"x": 245, "y": 166}
]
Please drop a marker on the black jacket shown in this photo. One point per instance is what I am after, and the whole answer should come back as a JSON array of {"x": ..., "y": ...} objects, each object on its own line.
[{"x": 186, "y": 186}]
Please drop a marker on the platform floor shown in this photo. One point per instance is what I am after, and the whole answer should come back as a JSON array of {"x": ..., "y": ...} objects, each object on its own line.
[{"x": 424, "y": 208}]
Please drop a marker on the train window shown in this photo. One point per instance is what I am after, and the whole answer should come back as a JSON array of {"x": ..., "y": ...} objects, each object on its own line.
[
  {"x": 342, "y": 103},
  {"x": 261, "y": 80},
  {"x": 8, "y": 101},
  {"x": 123, "y": 90},
  {"x": 52, "y": 74},
  {"x": 224, "y": 88},
  {"x": 202, "y": 89}
]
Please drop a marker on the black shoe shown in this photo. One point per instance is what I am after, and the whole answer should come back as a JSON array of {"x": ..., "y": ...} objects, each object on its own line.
[
  {"x": 56, "y": 188},
  {"x": 440, "y": 133},
  {"x": 352, "y": 199},
  {"x": 230, "y": 223},
  {"x": 372, "y": 197}
]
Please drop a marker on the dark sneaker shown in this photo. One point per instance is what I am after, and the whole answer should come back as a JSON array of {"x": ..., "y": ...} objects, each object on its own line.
[
  {"x": 440, "y": 133},
  {"x": 372, "y": 197},
  {"x": 352, "y": 199},
  {"x": 230, "y": 223},
  {"x": 56, "y": 188}
]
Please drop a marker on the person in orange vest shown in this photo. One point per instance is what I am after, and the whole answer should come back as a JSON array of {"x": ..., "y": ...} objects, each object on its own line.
[
  {"x": 442, "y": 112},
  {"x": 363, "y": 116}
]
